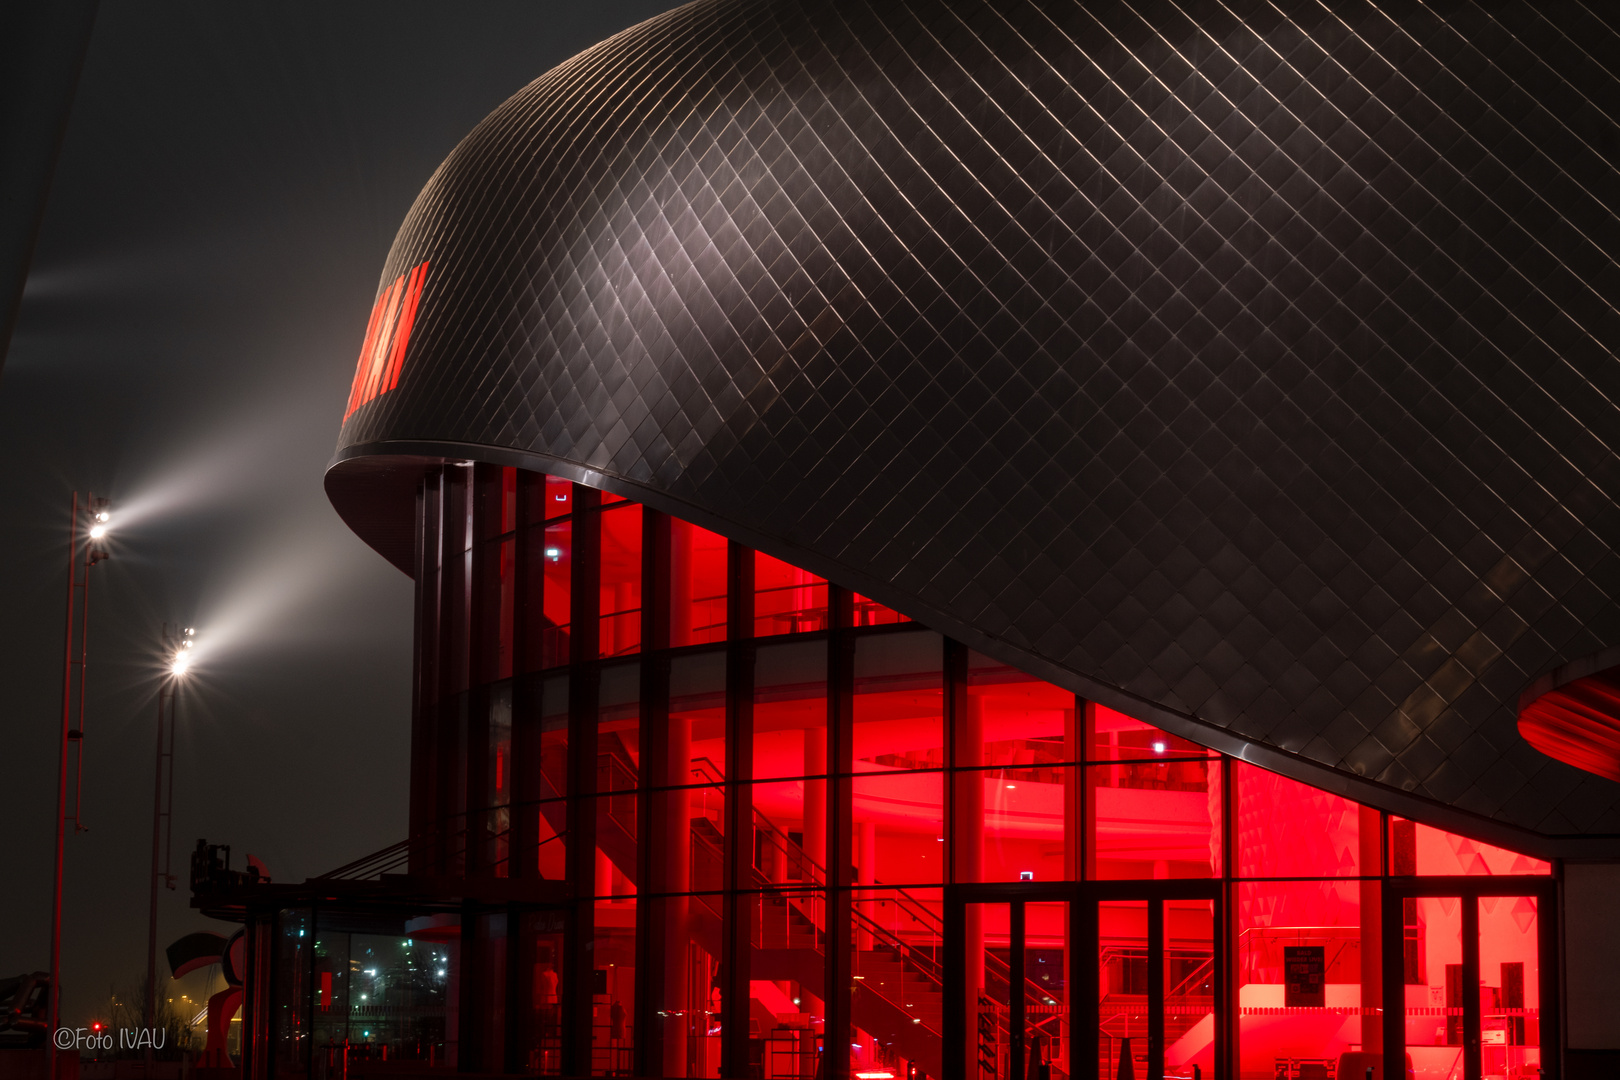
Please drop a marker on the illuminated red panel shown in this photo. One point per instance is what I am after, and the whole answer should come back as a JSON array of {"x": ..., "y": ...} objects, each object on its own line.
[
  {"x": 402, "y": 333},
  {"x": 1578, "y": 723},
  {"x": 365, "y": 351},
  {"x": 388, "y": 334},
  {"x": 385, "y": 338}
]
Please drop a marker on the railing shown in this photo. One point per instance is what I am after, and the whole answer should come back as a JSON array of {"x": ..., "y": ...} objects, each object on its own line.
[
  {"x": 778, "y": 907},
  {"x": 616, "y": 782},
  {"x": 802, "y": 615},
  {"x": 443, "y": 847}
]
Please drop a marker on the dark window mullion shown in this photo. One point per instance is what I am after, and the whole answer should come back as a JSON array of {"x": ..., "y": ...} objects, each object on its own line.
[
  {"x": 653, "y": 930},
  {"x": 840, "y": 834},
  {"x": 579, "y": 946},
  {"x": 739, "y": 840}
]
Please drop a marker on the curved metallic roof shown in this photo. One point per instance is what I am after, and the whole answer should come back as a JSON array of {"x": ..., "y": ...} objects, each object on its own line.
[{"x": 1254, "y": 371}]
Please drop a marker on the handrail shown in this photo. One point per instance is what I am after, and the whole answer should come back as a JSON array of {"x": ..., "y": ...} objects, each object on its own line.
[
  {"x": 385, "y": 859},
  {"x": 397, "y": 856}
]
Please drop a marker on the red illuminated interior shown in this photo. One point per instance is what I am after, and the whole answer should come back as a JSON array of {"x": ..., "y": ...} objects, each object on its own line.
[{"x": 958, "y": 770}]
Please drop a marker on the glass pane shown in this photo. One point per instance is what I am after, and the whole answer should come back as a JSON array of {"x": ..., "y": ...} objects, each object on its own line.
[
  {"x": 551, "y": 828},
  {"x": 1510, "y": 986},
  {"x": 1122, "y": 986},
  {"x": 780, "y": 858},
  {"x": 551, "y": 814},
  {"x": 559, "y": 497},
  {"x": 558, "y": 562},
  {"x": 613, "y": 993},
  {"x": 1435, "y": 987},
  {"x": 615, "y": 862},
  {"x": 781, "y": 1030},
  {"x": 498, "y": 781},
  {"x": 697, "y": 716},
  {"x": 898, "y": 981},
  {"x": 412, "y": 974},
  {"x": 706, "y": 810},
  {"x": 495, "y": 603},
  {"x": 899, "y": 702},
  {"x": 1117, "y": 737},
  {"x": 988, "y": 946},
  {"x": 1154, "y": 820},
  {"x": 1299, "y": 968},
  {"x": 787, "y": 600},
  {"x": 1046, "y": 989},
  {"x": 868, "y": 612},
  {"x": 1421, "y": 849},
  {"x": 618, "y": 728},
  {"x": 554, "y": 737},
  {"x": 1189, "y": 987},
  {"x": 381, "y": 998},
  {"x": 1022, "y": 830},
  {"x": 790, "y": 710},
  {"x": 1288, "y": 829},
  {"x": 1017, "y": 720},
  {"x": 697, "y": 582},
  {"x": 898, "y": 819},
  {"x": 331, "y": 985},
  {"x": 540, "y": 977},
  {"x": 508, "y": 500},
  {"x": 620, "y": 633},
  {"x": 483, "y": 1028},
  {"x": 678, "y": 984}
]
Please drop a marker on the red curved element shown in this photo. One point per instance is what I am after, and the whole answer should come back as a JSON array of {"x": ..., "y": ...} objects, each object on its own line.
[
  {"x": 1578, "y": 723},
  {"x": 221, "y": 1008}
]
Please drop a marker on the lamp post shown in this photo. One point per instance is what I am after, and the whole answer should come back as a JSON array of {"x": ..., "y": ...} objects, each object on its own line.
[
  {"x": 78, "y": 595},
  {"x": 178, "y": 650}
]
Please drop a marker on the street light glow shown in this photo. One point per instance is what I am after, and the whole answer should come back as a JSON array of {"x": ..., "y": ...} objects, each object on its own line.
[
  {"x": 183, "y": 654},
  {"x": 98, "y": 531}
]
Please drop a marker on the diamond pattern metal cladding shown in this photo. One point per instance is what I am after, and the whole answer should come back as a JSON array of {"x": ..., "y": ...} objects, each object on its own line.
[{"x": 1257, "y": 360}]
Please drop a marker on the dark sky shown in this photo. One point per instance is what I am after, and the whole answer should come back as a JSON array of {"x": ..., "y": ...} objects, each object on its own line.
[{"x": 230, "y": 182}]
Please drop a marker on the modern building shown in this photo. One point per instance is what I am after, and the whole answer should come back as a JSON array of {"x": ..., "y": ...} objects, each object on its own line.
[{"x": 995, "y": 541}]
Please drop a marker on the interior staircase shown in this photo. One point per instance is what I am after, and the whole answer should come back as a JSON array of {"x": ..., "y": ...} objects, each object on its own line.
[{"x": 898, "y": 976}]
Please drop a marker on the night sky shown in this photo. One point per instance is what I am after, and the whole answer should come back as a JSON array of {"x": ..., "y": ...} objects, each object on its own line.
[{"x": 230, "y": 183}]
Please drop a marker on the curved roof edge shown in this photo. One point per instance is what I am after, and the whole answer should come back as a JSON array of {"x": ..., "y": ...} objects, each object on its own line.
[
  {"x": 1572, "y": 714},
  {"x": 373, "y": 488}
]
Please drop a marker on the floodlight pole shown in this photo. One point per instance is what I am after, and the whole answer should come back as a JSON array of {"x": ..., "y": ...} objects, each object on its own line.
[
  {"x": 162, "y": 810},
  {"x": 70, "y": 735}
]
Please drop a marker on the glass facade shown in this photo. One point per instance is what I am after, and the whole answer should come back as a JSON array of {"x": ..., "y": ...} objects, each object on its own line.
[{"x": 751, "y": 824}]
